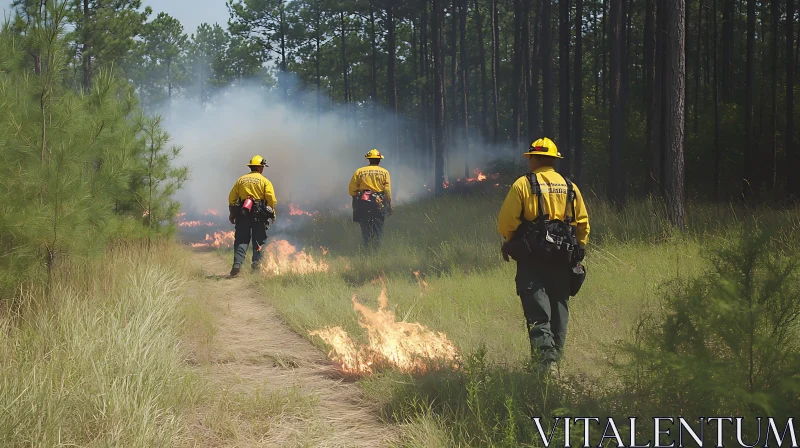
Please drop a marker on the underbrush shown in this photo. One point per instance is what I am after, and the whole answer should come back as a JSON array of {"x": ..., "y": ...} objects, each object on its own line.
[{"x": 96, "y": 358}]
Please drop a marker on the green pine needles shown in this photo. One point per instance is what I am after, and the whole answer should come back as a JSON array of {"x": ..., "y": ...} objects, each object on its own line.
[{"x": 77, "y": 168}]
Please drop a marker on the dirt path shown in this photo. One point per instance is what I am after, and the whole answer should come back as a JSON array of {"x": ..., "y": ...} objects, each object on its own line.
[{"x": 272, "y": 387}]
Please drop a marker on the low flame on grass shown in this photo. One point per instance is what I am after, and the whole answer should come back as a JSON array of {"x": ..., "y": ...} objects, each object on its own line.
[
  {"x": 282, "y": 258},
  {"x": 423, "y": 285},
  {"x": 217, "y": 240},
  {"x": 297, "y": 211},
  {"x": 407, "y": 346}
]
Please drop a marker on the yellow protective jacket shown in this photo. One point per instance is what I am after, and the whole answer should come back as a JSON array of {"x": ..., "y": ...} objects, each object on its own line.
[
  {"x": 373, "y": 178},
  {"x": 254, "y": 185},
  {"x": 554, "y": 191}
]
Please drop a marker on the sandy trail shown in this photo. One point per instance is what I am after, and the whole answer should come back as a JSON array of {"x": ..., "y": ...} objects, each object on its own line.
[{"x": 253, "y": 353}]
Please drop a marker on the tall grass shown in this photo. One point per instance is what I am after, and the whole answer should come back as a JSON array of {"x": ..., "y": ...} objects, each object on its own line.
[{"x": 97, "y": 358}]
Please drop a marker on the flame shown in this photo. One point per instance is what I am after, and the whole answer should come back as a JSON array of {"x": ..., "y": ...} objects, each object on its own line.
[
  {"x": 423, "y": 285},
  {"x": 324, "y": 250},
  {"x": 407, "y": 346},
  {"x": 219, "y": 239},
  {"x": 211, "y": 211},
  {"x": 479, "y": 177},
  {"x": 180, "y": 215},
  {"x": 281, "y": 258},
  {"x": 296, "y": 211},
  {"x": 195, "y": 224}
]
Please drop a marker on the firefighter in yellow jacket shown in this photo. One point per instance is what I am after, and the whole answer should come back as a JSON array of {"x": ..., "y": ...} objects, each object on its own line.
[
  {"x": 546, "y": 228},
  {"x": 251, "y": 203},
  {"x": 371, "y": 190}
]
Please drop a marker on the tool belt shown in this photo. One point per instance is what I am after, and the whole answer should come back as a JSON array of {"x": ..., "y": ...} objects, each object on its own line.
[
  {"x": 368, "y": 204},
  {"x": 545, "y": 240},
  {"x": 259, "y": 212}
]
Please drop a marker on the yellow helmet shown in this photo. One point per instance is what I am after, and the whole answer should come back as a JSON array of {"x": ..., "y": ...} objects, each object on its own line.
[
  {"x": 257, "y": 161},
  {"x": 543, "y": 147},
  {"x": 374, "y": 154}
]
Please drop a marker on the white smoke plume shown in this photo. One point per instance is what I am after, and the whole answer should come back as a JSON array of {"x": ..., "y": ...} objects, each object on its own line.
[{"x": 311, "y": 158}]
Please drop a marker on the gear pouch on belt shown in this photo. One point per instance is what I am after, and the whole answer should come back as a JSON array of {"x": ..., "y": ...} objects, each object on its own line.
[
  {"x": 577, "y": 276},
  {"x": 519, "y": 247}
]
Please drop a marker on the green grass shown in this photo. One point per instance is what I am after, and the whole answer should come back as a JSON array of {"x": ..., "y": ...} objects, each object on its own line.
[
  {"x": 98, "y": 359},
  {"x": 453, "y": 243}
]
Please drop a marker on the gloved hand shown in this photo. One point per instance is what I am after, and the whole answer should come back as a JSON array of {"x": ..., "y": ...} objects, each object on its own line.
[
  {"x": 391, "y": 210},
  {"x": 232, "y": 219},
  {"x": 505, "y": 254},
  {"x": 270, "y": 211}
]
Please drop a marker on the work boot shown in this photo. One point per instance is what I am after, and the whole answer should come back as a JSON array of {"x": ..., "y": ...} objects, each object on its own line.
[
  {"x": 548, "y": 369},
  {"x": 235, "y": 272}
]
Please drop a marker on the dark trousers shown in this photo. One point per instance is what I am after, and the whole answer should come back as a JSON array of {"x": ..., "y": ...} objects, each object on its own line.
[
  {"x": 247, "y": 230},
  {"x": 372, "y": 229},
  {"x": 544, "y": 292}
]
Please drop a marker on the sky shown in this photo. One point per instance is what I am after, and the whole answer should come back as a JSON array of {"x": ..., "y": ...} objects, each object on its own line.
[{"x": 191, "y": 13}]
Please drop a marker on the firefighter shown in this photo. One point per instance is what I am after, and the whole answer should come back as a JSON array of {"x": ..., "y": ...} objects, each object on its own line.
[
  {"x": 546, "y": 227},
  {"x": 371, "y": 191},
  {"x": 251, "y": 204}
]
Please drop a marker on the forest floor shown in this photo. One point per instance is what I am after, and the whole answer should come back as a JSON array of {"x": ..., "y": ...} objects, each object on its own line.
[{"x": 271, "y": 386}]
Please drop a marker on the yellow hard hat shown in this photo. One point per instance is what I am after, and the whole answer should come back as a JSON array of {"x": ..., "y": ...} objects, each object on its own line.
[
  {"x": 374, "y": 154},
  {"x": 543, "y": 147},
  {"x": 257, "y": 161}
]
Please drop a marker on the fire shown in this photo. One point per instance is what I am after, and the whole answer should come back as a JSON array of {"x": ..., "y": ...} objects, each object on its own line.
[
  {"x": 195, "y": 224},
  {"x": 296, "y": 211},
  {"x": 423, "y": 285},
  {"x": 211, "y": 211},
  {"x": 219, "y": 239},
  {"x": 479, "y": 177},
  {"x": 408, "y": 346},
  {"x": 281, "y": 258},
  {"x": 324, "y": 250}
]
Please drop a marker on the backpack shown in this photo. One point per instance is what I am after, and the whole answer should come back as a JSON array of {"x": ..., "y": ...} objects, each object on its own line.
[{"x": 545, "y": 240}]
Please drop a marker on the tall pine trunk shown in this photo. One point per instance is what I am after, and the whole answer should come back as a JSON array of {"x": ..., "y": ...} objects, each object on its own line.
[
  {"x": 516, "y": 77},
  {"x": 453, "y": 112},
  {"x": 391, "y": 87},
  {"x": 495, "y": 69},
  {"x": 727, "y": 43},
  {"x": 597, "y": 47},
  {"x": 772, "y": 179},
  {"x": 438, "y": 98},
  {"x": 373, "y": 55},
  {"x": 85, "y": 49},
  {"x": 482, "y": 58},
  {"x": 344, "y": 62},
  {"x": 578, "y": 90},
  {"x": 617, "y": 111},
  {"x": 534, "y": 111},
  {"x": 606, "y": 47},
  {"x": 652, "y": 92},
  {"x": 546, "y": 38},
  {"x": 698, "y": 36},
  {"x": 564, "y": 85},
  {"x": 717, "y": 146},
  {"x": 750, "y": 170},
  {"x": 464, "y": 82},
  {"x": 675, "y": 80},
  {"x": 793, "y": 180}
]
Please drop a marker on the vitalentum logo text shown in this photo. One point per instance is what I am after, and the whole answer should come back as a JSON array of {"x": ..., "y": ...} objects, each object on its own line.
[{"x": 667, "y": 432}]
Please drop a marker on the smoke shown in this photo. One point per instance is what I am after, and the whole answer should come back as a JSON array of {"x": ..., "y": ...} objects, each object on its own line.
[{"x": 311, "y": 157}]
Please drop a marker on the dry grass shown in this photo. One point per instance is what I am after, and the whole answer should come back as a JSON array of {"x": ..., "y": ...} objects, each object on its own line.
[{"x": 96, "y": 359}]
